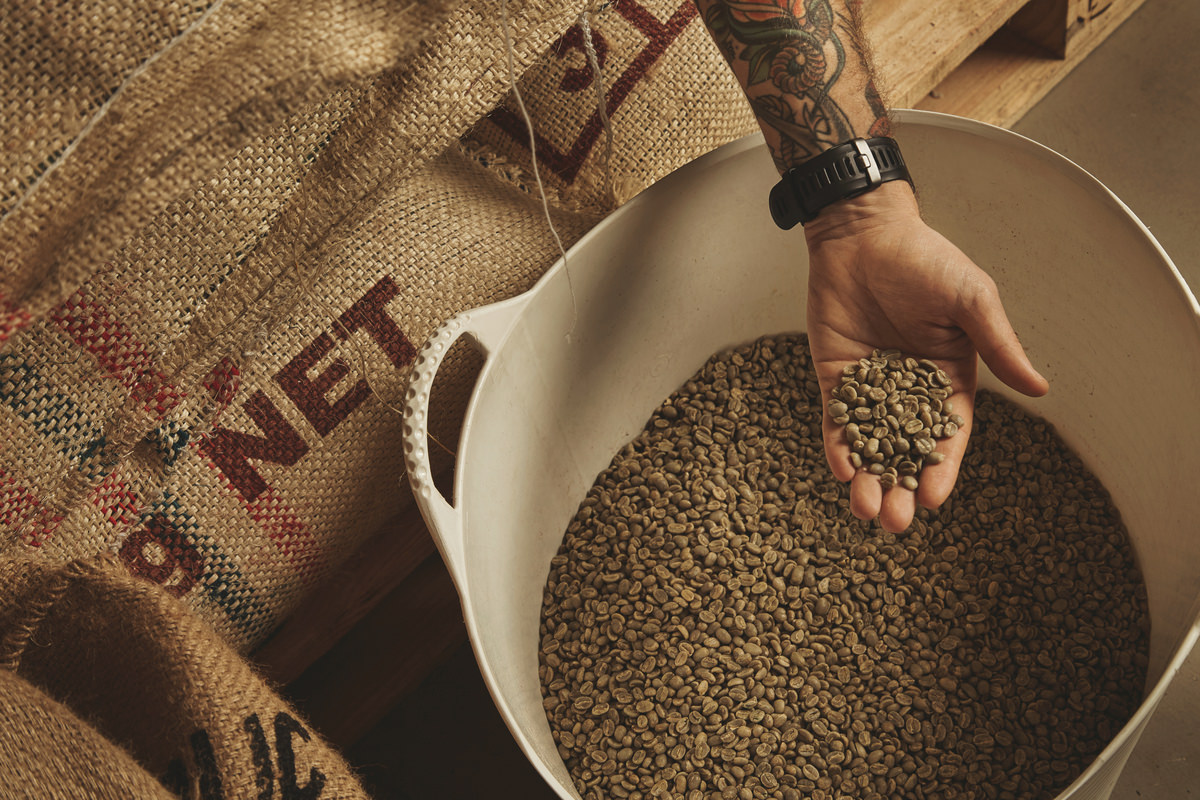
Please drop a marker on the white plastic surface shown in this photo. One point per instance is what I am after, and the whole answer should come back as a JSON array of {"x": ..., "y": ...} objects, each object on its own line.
[
  {"x": 487, "y": 327},
  {"x": 694, "y": 265}
]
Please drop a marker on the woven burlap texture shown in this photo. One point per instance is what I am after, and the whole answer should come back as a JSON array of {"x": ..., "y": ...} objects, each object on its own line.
[
  {"x": 47, "y": 751},
  {"x": 149, "y": 700},
  {"x": 228, "y": 227}
]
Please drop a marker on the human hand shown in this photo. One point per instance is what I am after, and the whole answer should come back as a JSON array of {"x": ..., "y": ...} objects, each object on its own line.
[{"x": 879, "y": 277}]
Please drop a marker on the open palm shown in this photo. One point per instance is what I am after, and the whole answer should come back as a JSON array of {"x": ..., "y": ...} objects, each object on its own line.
[{"x": 881, "y": 278}]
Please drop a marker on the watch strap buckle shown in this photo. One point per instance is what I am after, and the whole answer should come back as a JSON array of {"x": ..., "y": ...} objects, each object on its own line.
[{"x": 865, "y": 161}]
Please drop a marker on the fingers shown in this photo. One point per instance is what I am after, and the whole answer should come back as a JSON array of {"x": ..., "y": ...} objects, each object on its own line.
[
  {"x": 896, "y": 507},
  {"x": 837, "y": 451},
  {"x": 937, "y": 480},
  {"x": 896, "y": 513},
  {"x": 992, "y": 334},
  {"x": 866, "y": 496}
]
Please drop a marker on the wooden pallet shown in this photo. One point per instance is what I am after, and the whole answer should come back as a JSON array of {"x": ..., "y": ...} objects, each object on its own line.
[
  {"x": 355, "y": 648},
  {"x": 1022, "y": 61}
]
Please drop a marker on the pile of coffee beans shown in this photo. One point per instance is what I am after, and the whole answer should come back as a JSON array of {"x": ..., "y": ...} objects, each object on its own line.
[
  {"x": 893, "y": 409},
  {"x": 716, "y": 623}
]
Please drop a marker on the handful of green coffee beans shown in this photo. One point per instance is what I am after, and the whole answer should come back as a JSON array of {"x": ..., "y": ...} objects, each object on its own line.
[{"x": 893, "y": 409}]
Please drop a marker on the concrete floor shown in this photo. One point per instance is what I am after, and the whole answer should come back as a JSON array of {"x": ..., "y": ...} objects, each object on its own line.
[{"x": 1126, "y": 115}]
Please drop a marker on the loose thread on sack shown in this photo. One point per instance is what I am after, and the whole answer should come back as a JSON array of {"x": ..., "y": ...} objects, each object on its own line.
[
  {"x": 589, "y": 47},
  {"x": 537, "y": 176},
  {"x": 104, "y": 108}
]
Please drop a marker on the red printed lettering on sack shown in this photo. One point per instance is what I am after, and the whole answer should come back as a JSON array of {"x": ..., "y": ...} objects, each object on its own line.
[
  {"x": 159, "y": 552},
  {"x": 278, "y": 441},
  {"x": 566, "y": 159}
]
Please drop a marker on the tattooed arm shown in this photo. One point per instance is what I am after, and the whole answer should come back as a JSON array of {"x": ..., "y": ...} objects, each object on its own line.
[
  {"x": 805, "y": 69},
  {"x": 878, "y": 276}
]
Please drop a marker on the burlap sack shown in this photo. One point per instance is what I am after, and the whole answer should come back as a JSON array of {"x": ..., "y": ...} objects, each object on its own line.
[
  {"x": 668, "y": 99},
  {"x": 47, "y": 751},
  {"x": 228, "y": 226},
  {"x": 110, "y": 688}
]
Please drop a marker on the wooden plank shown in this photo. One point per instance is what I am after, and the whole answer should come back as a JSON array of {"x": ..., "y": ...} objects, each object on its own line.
[
  {"x": 1006, "y": 77},
  {"x": 1063, "y": 26},
  {"x": 1044, "y": 23},
  {"x": 1089, "y": 22},
  {"x": 402, "y": 640},
  {"x": 916, "y": 45},
  {"x": 380, "y": 565},
  {"x": 420, "y": 749}
]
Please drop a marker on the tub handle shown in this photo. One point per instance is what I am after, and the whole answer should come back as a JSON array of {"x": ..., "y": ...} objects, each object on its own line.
[{"x": 487, "y": 327}]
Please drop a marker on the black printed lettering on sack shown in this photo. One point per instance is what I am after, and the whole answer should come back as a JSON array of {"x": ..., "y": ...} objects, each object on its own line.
[
  {"x": 285, "y": 727},
  {"x": 203, "y": 781},
  {"x": 260, "y": 751},
  {"x": 208, "y": 775},
  {"x": 205, "y": 784}
]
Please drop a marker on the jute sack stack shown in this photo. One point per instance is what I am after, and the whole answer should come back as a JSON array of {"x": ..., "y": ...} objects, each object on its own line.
[
  {"x": 227, "y": 227},
  {"x": 202, "y": 278},
  {"x": 160, "y": 706}
]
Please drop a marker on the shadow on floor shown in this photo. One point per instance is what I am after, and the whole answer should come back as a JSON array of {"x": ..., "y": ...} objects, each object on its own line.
[{"x": 446, "y": 741}]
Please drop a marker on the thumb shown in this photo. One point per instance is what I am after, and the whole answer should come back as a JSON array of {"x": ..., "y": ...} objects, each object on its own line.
[{"x": 987, "y": 325}]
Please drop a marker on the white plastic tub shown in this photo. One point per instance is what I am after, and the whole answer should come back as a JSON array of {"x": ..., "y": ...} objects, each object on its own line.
[{"x": 694, "y": 265}]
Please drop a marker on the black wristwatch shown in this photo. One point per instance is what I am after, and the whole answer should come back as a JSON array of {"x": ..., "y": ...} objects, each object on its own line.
[{"x": 845, "y": 171}]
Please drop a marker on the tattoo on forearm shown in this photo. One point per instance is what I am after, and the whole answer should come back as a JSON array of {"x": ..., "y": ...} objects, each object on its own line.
[
  {"x": 881, "y": 124},
  {"x": 790, "y": 56}
]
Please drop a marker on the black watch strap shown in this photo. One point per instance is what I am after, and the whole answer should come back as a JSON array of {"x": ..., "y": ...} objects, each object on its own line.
[{"x": 848, "y": 170}]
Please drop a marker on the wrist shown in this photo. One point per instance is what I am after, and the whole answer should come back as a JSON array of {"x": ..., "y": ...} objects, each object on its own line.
[{"x": 889, "y": 203}]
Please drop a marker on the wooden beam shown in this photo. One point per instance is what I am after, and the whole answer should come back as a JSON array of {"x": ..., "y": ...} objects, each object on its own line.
[
  {"x": 1007, "y": 76},
  {"x": 406, "y": 636},
  {"x": 1044, "y": 23},
  {"x": 380, "y": 565},
  {"x": 916, "y": 45}
]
